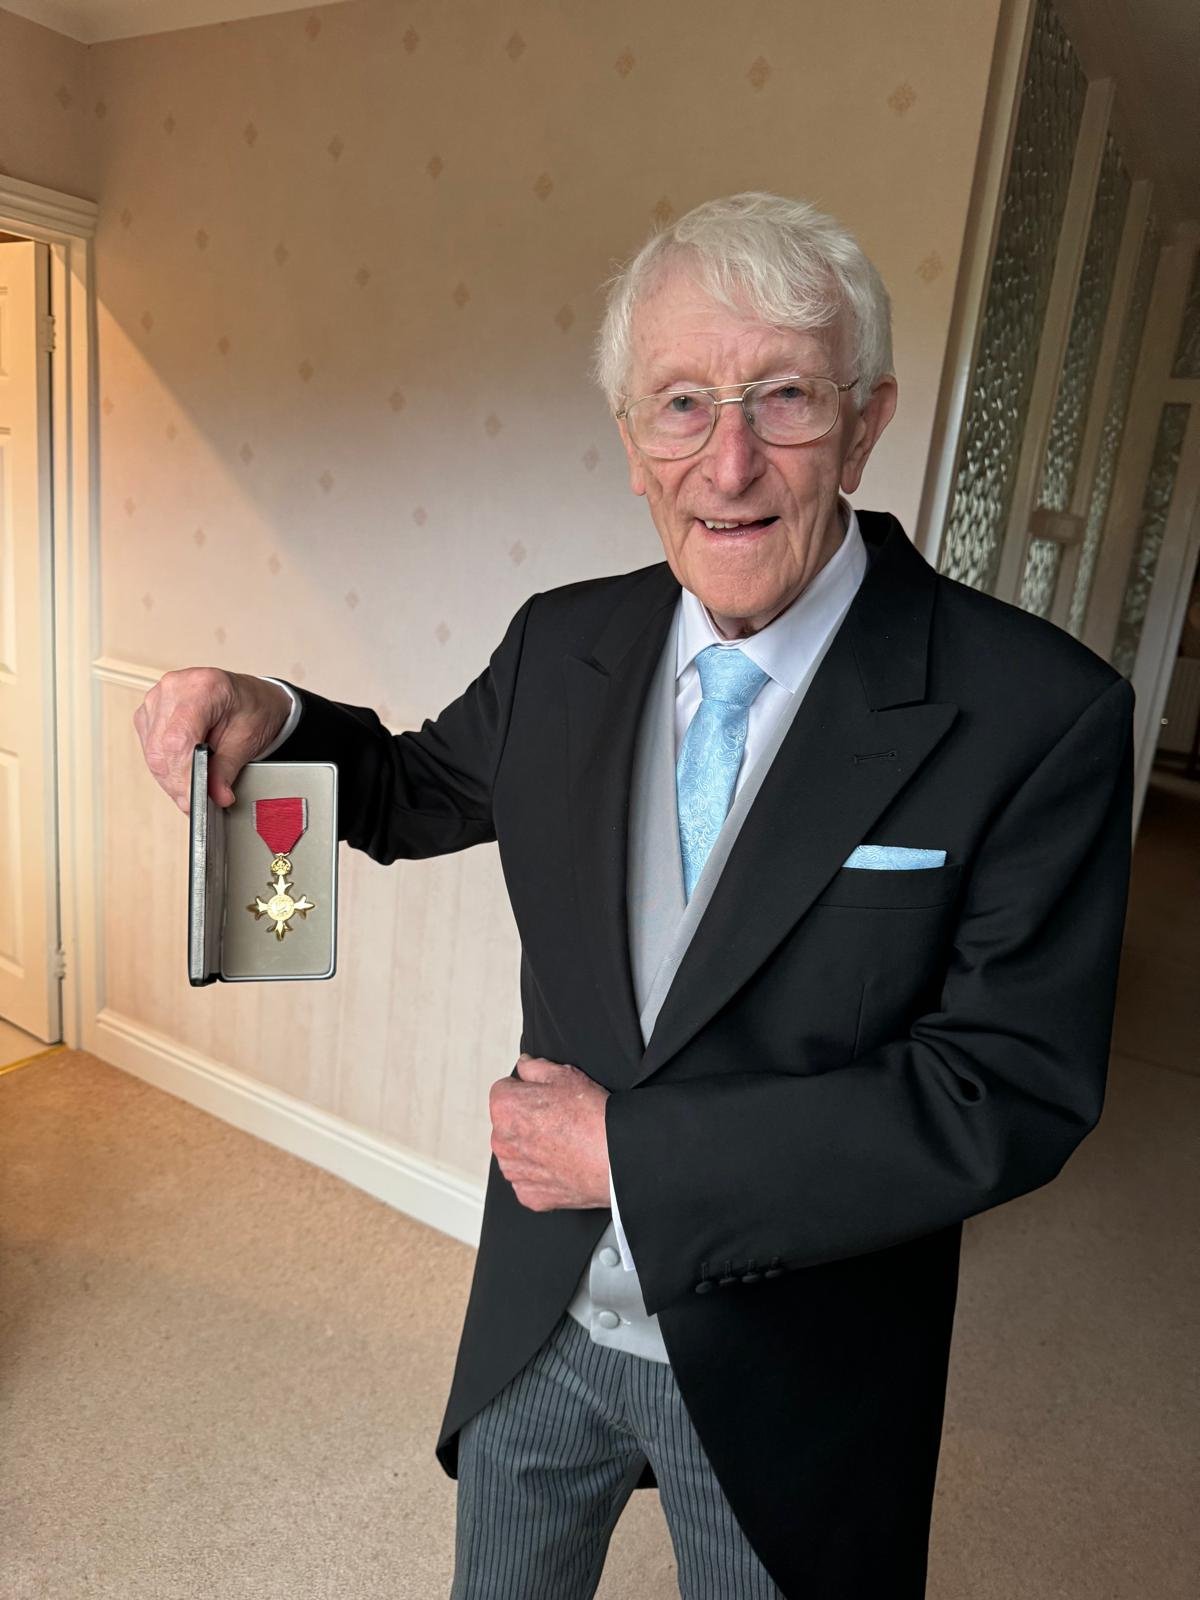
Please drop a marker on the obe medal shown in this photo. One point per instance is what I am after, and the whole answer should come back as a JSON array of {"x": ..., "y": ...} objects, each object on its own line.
[{"x": 279, "y": 824}]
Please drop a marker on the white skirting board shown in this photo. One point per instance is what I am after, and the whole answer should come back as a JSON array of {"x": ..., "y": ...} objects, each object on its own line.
[{"x": 420, "y": 1188}]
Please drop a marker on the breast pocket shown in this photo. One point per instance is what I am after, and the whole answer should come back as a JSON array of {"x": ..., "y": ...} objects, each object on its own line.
[{"x": 900, "y": 890}]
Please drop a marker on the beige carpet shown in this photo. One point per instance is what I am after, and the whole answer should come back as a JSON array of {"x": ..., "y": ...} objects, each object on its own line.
[{"x": 221, "y": 1370}]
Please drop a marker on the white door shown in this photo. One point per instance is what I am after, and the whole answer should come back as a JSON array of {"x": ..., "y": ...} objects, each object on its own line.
[{"x": 30, "y": 988}]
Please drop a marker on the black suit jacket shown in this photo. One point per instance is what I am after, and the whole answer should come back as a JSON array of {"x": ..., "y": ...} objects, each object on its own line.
[{"x": 849, "y": 1063}]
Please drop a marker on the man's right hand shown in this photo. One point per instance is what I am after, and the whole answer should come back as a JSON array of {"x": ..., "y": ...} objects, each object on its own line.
[{"x": 237, "y": 714}]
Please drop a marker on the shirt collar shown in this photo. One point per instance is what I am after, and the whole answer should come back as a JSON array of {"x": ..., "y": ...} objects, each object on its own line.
[{"x": 786, "y": 648}]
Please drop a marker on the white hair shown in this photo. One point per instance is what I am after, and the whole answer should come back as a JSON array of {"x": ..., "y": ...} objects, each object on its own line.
[{"x": 784, "y": 260}]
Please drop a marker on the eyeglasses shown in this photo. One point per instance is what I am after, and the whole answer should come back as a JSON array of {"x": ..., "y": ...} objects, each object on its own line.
[{"x": 678, "y": 422}]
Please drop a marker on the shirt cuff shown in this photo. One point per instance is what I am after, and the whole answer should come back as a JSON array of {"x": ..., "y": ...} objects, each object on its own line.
[
  {"x": 627, "y": 1260},
  {"x": 289, "y": 726}
]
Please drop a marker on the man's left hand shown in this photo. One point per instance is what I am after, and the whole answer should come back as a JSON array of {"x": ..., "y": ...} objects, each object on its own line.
[{"x": 548, "y": 1135}]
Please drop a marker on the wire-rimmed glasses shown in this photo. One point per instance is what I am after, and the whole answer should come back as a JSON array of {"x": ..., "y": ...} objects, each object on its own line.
[{"x": 675, "y": 423}]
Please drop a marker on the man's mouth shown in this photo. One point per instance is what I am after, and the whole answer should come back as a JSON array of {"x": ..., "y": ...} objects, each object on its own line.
[{"x": 736, "y": 529}]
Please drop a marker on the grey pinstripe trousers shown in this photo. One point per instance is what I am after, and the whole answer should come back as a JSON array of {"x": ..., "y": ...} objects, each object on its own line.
[{"x": 546, "y": 1468}]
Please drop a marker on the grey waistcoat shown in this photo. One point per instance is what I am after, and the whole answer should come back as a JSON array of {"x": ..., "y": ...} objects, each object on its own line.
[{"x": 608, "y": 1301}]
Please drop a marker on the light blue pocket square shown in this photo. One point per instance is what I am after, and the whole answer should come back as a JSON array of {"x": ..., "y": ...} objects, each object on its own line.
[{"x": 893, "y": 858}]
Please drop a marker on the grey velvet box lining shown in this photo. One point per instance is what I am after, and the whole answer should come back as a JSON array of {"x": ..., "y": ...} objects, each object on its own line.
[{"x": 230, "y": 865}]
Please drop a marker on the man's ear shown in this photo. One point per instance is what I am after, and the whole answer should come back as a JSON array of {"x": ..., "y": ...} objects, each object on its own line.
[
  {"x": 637, "y": 468},
  {"x": 868, "y": 425}
]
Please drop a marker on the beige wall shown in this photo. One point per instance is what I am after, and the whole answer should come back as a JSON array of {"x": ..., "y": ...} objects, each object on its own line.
[
  {"x": 315, "y": 460},
  {"x": 48, "y": 121}
]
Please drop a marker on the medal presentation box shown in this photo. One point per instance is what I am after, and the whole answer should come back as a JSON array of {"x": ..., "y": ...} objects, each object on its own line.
[{"x": 262, "y": 882}]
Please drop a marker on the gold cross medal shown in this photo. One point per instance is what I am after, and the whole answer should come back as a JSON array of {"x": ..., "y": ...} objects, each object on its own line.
[{"x": 280, "y": 824}]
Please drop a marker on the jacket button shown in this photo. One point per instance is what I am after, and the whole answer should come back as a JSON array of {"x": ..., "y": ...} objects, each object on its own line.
[
  {"x": 705, "y": 1286},
  {"x": 751, "y": 1277},
  {"x": 725, "y": 1282},
  {"x": 773, "y": 1272}
]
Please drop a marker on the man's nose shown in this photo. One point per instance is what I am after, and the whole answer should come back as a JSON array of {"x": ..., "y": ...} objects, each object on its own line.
[{"x": 734, "y": 455}]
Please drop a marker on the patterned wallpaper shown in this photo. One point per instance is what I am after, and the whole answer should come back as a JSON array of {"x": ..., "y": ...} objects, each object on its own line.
[{"x": 348, "y": 268}]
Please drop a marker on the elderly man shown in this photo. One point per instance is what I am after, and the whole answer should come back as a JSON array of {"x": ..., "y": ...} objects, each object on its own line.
[{"x": 819, "y": 863}]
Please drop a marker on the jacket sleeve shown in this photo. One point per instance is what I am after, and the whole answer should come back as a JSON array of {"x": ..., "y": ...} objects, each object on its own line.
[
  {"x": 422, "y": 793},
  {"x": 983, "y": 1099}
]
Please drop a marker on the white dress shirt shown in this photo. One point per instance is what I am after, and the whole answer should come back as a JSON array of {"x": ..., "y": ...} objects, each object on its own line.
[
  {"x": 289, "y": 727},
  {"x": 785, "y": 650}
]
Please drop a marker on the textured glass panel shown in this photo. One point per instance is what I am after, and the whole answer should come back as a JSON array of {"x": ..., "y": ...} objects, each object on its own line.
[
  {"x": 1041, "y": 575},
  {"x": 1156, "y": 503},
  {"x": 1087, "y": 327},
  {"x": 1187, "y": 357},
  {"x": 1035, "y": 194},
  {"x": 1114, "y": 423}
]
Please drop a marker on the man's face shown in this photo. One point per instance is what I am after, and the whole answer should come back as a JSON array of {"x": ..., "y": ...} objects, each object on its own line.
[{"x": 787, "y": 493}]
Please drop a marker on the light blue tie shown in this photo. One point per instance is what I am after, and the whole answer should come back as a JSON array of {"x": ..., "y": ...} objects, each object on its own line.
[{"x": 711, "y": 752}]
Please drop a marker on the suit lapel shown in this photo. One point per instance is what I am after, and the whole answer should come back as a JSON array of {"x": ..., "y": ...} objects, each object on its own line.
[
  {"x": 861, "y": 733},
  {"x": 605, "y": 696},
  {"x": 859, "y": 736}
]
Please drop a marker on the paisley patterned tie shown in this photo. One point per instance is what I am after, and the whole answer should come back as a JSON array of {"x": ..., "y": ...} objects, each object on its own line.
[{"x": 711, "y": 752}]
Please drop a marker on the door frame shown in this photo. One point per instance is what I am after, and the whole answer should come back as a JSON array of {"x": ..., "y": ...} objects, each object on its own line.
[{"x": 67, "y": 223}]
